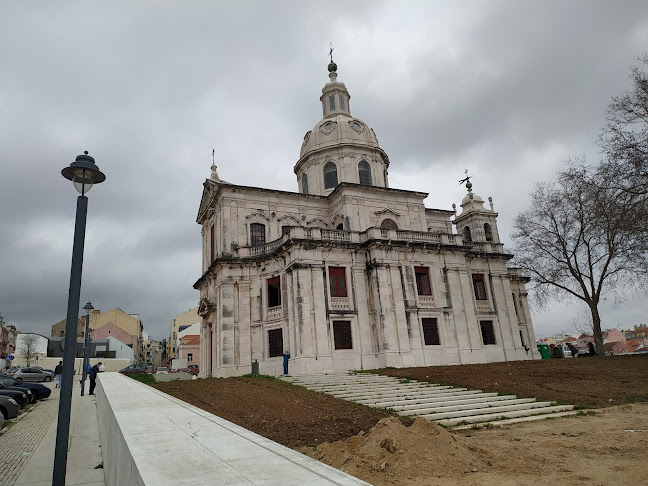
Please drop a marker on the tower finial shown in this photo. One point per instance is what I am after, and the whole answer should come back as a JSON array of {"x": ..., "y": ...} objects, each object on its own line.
[
  {"x": 331, "y": 51},
  {"x": 214, "y": 172},
  {"x": 332, "y": 67},
  {"x": 467, "y": 181}
]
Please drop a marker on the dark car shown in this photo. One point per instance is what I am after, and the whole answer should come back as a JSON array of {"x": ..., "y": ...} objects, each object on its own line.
[
  {"x": 39, "y": 391},
  {"x": 133, "y": 369},
  {"x": 19, "y": 395},
  {"x": 9, "y": 407}
]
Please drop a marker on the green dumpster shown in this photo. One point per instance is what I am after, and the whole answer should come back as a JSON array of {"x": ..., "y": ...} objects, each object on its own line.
[{"x": 545, "y": 352}]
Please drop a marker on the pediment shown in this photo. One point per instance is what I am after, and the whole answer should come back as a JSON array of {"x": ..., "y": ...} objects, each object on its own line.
[
  {"x": 288, "y": 218},
  {"x": 205, "y": 307},
  {"x": 209, "y": 189},
  {"x": 386, "y": 212},
  {"x": 316, "y": 220},
  {"x": 257, "y": 214}
]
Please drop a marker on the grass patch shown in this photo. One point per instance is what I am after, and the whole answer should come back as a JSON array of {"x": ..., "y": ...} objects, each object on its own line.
[
  {"x": 260, "y": 377},
  {"x": 589, "y": 413},
  {"x": 143, "y": 378},
  {"x": 636, "y": 399}
]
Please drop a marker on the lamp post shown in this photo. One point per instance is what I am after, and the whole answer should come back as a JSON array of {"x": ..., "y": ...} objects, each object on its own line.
[
  {"x": 83, "y": 173},
  {"x": 88, "y": 308}
]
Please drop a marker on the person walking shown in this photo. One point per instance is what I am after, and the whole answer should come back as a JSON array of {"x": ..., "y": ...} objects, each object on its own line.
[
  {"x": 58, "y": 372},
  {"x": 93, "y": 377},
  {"x": 286, "y": 357}
]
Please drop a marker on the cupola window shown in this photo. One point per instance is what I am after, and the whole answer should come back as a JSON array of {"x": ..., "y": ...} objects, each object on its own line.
[
  {"x": 304, "y": 184},
  {"x": 342, "y": 103},
  {"x": 364, "y": 171},
  {"x": 330, "y": 175},
  {"x": 467, "y": 238},
  {"x": 332, "y": 103},
  {"x": 488, "y": 232}
]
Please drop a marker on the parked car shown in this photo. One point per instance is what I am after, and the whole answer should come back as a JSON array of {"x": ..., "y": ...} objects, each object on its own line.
[
  {"x": 193, "y": 368},
  {"x": 20, "y": 396},
  {"x": 39, "y": 391},
  {"x": 162, "y": 370},
  {"x": 9, "y": 407},
  {"x": 31, "y": 398},
  {"x": 133, "y": 369},
  {"x": 31, "y": 374}
]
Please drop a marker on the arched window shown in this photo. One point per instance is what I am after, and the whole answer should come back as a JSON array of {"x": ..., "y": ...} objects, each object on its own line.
[
  {"x": 304, "y": 184},
  {"x": 330, "y": 175},
  {"x": 488, "y": 232},
  {"x": 257, "y": 234},
  {"x": 364, "y": 170},
  {"x": 340, "y": 227},
  {"x": 388, "y": 224},
  {"x": 467, "y": 238}
]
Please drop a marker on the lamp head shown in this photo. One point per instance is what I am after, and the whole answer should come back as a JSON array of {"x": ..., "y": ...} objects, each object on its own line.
[
  {"x": 83, "y": 173},
  {"x": 88, "y": 307}
]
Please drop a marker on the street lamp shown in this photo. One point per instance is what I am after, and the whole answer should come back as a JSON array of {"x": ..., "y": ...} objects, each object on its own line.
[
  {"x": 83, "y": 173},
  {"x": 88, "y": 308}
]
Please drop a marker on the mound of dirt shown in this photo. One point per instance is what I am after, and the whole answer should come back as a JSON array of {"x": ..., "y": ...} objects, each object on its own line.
[{"x": 390, "y": 450}]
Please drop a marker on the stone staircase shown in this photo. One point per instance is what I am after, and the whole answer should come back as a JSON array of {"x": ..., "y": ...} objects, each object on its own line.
[{"x": 446, "y": 405}]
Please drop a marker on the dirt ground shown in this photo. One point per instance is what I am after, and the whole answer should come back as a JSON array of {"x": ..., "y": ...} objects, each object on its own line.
[{"x": 605, "y": 446}]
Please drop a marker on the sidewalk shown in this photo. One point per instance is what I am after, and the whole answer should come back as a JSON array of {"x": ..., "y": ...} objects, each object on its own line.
[{"x": 84, "y": 452}]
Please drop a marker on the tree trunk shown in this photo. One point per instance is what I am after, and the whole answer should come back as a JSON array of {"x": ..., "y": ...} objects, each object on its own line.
[{"x": 596, "y": 329}]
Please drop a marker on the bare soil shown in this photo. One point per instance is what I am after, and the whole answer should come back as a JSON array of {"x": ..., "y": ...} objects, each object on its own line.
[{"x": 606, "y": 446}]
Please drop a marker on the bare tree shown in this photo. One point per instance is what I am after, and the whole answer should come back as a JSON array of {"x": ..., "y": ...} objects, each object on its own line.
[
  {"x": 577, "y": 241},
  {"x": 28, "y": 347},
  {"x": 624, "y": 139}
]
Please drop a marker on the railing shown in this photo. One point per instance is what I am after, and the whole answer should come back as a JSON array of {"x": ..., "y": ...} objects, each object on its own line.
[
  {"x": 339, "y": 303},
  {"x": 336, "y": 235},
  {"x": 483, "y": 305},
  {"x": 425, "y": 301},
  {"x": 267, "y": 248},
  {"x": 275, "y": 313},
  {"x": 418, "y": 236}
]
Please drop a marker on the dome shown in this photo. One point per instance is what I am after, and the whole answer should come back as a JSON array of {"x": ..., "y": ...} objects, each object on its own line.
[{"x": 333, "y": 131}]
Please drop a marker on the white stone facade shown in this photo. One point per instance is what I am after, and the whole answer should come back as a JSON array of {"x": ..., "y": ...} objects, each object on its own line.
[{"x": 348, "y": 273}]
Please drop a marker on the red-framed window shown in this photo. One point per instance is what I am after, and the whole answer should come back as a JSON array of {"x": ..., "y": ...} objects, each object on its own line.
[
  {"x": 337, "y": 281},
  {"x": 422, "y": 280},
  {"x": 479, "y": 285},
  {"x": 275, "y": 342},
  {"x": 274, "y": 292},
  {"x": 487, "y": 331},
  {"x": 342, "y": 335},
  {"x": 430, "y": 331}
]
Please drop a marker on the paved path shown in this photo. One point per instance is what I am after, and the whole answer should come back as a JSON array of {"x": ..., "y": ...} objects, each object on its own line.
[
  {"x": 36, "y": 433},
  {"x": 18, "y": 443}
]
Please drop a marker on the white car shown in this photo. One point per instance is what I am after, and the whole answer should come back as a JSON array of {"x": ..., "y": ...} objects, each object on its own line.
[{"x": 162, "y": 370}]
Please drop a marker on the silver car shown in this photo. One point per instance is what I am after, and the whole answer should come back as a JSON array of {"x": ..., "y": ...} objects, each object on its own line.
[{"x": 31, "y": 374}]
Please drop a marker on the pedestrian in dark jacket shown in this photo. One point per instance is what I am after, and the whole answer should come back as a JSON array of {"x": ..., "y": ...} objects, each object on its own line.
[
  {"x": 93, "y": 377},
  {"x": 58, "y": 372},
  {"x": 592, "y": 349}
]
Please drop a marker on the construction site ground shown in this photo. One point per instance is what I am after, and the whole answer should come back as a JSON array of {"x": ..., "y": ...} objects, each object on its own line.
[{"x": 607, "y": 443}]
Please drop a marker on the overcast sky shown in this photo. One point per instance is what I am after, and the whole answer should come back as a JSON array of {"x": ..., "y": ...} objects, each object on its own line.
[{"x": 509, "y": 90}]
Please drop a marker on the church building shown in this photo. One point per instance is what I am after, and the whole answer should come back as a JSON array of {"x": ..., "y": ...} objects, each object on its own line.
[{"x": 348, "y": 273}]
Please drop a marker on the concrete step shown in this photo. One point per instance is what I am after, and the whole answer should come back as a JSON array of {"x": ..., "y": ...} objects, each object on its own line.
[
  {"x": 393, "y": 392},
  {"x": 398, "y": 395},
  {"x": 532, "y": 418},
  {"x": 487, "y": 410},
  {"x": 470, "y": 407},
  {"x": 380, "y": 401},
  {"x": 491, "y": 398},
  {"x": 459, "y": 397},
  {"x": 540, "y": 413}
]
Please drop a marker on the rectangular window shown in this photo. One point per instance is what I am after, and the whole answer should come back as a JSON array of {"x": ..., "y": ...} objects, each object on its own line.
[
  {"x": 285, "y": 230},
  {"x": 211, "y": 243},
  {"x": 422, "y": 281},
  {"x": 275, "y": 342},
  {"x": 257, "y": 234},
  {"x": 342, "y": 335},
  {"x": 517, "y": 313},
  {"x": 189, "y": 357},
  {"x": 342, "y": 102},
  {"x": 337, "y": 280},
  {"x": 274, "y": 292},
  {"x": 430, "y": 331},
  {"x": 332, "y": 102},
  {"x": 479, "y": 286},
  {"x": 488, "y": 333}
]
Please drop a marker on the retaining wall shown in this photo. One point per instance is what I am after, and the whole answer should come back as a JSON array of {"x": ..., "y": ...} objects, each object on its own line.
[{"x": 151, "y": 438}]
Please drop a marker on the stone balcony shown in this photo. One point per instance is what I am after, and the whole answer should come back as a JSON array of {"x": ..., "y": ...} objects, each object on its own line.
[{"x": 371, "y": 234}]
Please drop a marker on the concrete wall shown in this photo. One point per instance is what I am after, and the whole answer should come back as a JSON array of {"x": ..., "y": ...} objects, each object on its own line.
[{"x": 150, "y": 438}]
